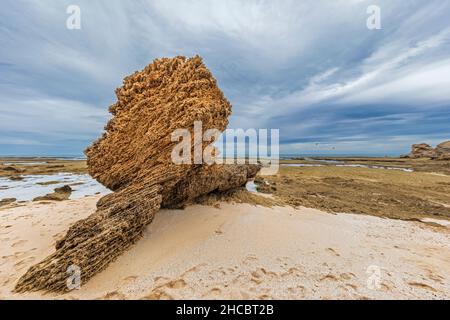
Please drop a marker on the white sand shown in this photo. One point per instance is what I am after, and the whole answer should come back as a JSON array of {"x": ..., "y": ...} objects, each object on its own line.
[{"x": 242, "y": 251}]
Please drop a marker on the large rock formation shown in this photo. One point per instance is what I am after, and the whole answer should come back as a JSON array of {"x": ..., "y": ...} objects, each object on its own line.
[
  {"x": 442, "y": 151},
  {"x": 423, "y": 150},
  {"x": 133, "y": 158}
]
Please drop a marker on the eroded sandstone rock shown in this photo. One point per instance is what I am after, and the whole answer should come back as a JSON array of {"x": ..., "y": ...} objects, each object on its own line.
[
  {"x": 133, "y": 158},
  {"x": 6, "y": 201},
  {"x": 59, "y": 194},
  {"x": 442, "y": 151},
  {"x": 421, "y": 150}
]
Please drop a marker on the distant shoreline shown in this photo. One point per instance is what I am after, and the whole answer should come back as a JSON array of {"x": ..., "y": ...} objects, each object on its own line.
[{"x": 44, "y": 157}]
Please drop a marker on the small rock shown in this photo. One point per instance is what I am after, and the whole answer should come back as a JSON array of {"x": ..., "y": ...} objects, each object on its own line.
[
  {"x": 16, "y": 178},
  {"x": 60, "y": 194},
  {"x": 442, "y": 151},
  {"x": 7, "y": 201}
]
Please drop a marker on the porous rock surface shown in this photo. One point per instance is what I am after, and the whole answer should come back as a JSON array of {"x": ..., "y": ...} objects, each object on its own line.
[
  {"x": 443, "y": 151},
  {"x": 423, "y": 150},
  {"x": 133, "y": 158},
  {"x": 59, "y": 194}
]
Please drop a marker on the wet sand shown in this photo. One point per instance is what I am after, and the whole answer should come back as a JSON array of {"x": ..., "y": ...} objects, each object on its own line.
[
  {"x": 241, "y": 251},
  {"x": 417, "y": 165},
  {"x": 387, "y": 193}
]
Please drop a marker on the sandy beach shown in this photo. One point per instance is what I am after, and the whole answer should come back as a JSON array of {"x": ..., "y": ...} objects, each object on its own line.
[
  {"x": 206, "y": 150},
  {"x": 241, "y": 251}
]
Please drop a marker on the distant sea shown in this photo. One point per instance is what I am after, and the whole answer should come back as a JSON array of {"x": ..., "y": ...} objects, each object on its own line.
[
  {"x": 282, "y": 156},
  {"x": 329, "y": 155},
  {"x": 58, "y": 157}
]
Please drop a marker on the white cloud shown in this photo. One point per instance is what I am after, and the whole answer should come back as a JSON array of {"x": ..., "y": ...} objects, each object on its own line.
[
  {"x": 57, "y": 119},
  {"x": 288, "y": 64},
  {"x": 393, "y": 74}
]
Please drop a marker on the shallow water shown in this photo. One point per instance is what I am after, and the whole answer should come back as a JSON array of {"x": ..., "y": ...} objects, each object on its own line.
[
  {"x": 301, "y": 165},
  {"x": 28, "y": 188},
  {"x": 251, "y": 186},
  {"x": 345, "y": 165},
  {"x": 374, "y": 167},
  {"x": 324, "y": 161}
]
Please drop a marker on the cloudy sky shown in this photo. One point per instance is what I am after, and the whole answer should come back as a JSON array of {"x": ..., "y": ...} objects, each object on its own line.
[{"x": 310, "y": 68}]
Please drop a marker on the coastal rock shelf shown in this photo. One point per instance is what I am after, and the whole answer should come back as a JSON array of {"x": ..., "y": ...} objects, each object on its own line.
[{"x": 133, "y": 159}]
